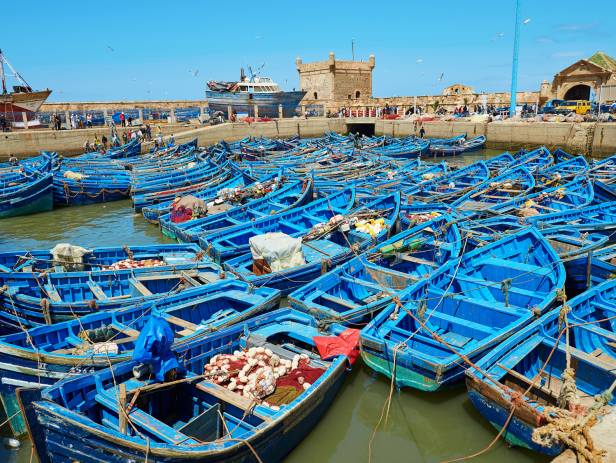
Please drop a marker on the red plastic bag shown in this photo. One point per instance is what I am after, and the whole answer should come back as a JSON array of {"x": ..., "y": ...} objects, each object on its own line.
[{"x": 346, "y": 343}]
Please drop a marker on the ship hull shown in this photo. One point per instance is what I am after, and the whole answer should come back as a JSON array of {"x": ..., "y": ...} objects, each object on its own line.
[
  {"x": 17, "y": 103},
  {"x": 244, "y": 103}
]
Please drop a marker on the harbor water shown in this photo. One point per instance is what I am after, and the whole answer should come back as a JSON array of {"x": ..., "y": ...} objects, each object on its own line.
[{"x": 420, "y": 427}]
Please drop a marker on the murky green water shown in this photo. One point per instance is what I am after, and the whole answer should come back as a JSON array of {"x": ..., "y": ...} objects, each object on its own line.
[{"x": 422, "y": 427}]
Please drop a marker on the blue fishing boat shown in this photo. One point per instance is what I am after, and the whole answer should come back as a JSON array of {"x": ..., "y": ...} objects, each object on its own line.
[
  {"x": 559, "y": 369},
  {"x": 196, "y": 417},
  {"x": 560, "y": 155},
  {"x": 574, "y": 194},
  {"x": 417, "y": 213},
  {"x": 534, "y": 160},
  {"x": 449, "y": 141},
  {"x": 57, "y": 296},
  {"x": 354, "y": 291},
  {"x": 206, "y": 193},
  {"x": 43, "y": 355},
  {"x": 191, "y": 174},
  {"x": 590, "y": 270},
  {"x": 604, "y": 170},
  {"x": 75, "y": 184},
  {"x": 25, "y": 194},
  {"x": 603, "y": 193},
  {"x": 403, "y": 149},
  {"x": 319, "y": 248},
  {"x": 461, "y": 146},
  {"x": 446, "y": 188},
  {"x": 562, "y": 171},
  {"x": 234, "y": 241},
  {"x": 214, "y": 176},
  {"x": 513, "y": 183},
  {"x": 128, "y": 150},
  {"x": 463, "y": 310},
  {"x": 158, "y": 257},
  {"x": 500, "y": 162},
  {"x": 597, "y": 218},
  {"x": 291, "y": 195}
]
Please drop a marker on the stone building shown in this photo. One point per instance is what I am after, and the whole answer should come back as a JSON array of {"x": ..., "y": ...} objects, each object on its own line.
[
  {"x": 457, "y": 89},
  {"x": 577, "y": 81},
  {"x": 348, "y": 84},
  {"x": 335, "y": 79}
]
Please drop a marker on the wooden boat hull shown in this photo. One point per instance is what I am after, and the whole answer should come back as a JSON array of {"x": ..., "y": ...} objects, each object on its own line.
[
  {"x": 191, "y": 230},
  {"x": 528, "y": 370},
  {"x": 496, "y": 410},
  {"x": 61, "y": 433},
  {"x": 24, "y": 366},
  {"x": 420, "y": 339},
  {"x": 39, "y": 199},
  {"x": 58, "y": 439}
]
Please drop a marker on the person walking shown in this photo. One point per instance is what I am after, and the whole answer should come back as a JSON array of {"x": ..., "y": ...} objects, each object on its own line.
[
  {"x": 422, "y": 132},
  {"x": 122, "y": 119}
]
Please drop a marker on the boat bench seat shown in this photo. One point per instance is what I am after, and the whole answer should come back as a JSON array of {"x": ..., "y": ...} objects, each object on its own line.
[
  {"x": 138, "y": 417},
  {"x": 232, "y": 398},
  {"x": 338, "y": 301},
  {"x": 519, "y": 266},
  {"x": 461, "y": 322},
  {"x": 477, "y": 282},
  {"x": 366, "y": 284}
]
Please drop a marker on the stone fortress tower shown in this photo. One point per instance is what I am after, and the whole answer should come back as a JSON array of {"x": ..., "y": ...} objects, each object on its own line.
[{"x": 335, "y": 79}]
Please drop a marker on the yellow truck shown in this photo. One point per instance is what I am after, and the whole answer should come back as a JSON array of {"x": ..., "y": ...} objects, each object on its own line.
[{"x": 574, "y": 106}]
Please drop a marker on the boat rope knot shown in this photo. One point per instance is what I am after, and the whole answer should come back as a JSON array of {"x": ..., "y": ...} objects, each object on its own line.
[
  {"x": 571, "y": 430},
  {"x": 394, "y": 314},
  {"x": 505, "y": 286},
  {"x": 517, "y": 399},
  {"x": 568, "y": 395},
  {"x": 421, "y": 309},
  {"x": 128, "y": 251},
  {"x": 562, "y": 315}
]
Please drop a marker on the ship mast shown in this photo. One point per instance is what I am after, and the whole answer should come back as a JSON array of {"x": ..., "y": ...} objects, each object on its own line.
[
  {"x": 16, "y": 74},
  {"x": 2, "y": 73}
]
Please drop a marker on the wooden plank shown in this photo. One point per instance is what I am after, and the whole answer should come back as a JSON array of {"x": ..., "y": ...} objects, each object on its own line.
[
  {"x": 229, "y": 397},
  {"x": 140, "y": 287},
  {"x": 339, "y": 301},
  {"x": 180, "y": 322},
  {"x": 417, "y": 260},
  {"x": 528, "y": 381},
  {"x": 122, "y": 408},
  {"x": 52, "y": 293},
  {"x": 125, "y": 330},
  {"x": 97, "y": 291},
  {"x": 190, "y": 279}
]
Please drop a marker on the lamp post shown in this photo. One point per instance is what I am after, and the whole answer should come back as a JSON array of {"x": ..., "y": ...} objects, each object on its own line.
[{"x": 514, "y": 65}]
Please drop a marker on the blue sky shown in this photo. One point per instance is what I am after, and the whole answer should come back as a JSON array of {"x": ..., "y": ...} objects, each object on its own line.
[{"x": 93, "y": 51}]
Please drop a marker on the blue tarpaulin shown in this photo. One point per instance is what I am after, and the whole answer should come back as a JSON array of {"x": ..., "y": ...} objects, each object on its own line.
[{"x": 154, "y": 348}]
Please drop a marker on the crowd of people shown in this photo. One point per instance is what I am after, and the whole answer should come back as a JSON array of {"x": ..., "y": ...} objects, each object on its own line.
[{"x": 142, "y": 133}]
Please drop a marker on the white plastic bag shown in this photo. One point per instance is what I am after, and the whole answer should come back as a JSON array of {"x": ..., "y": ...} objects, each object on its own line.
[{"x": 279, "y": 250}]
